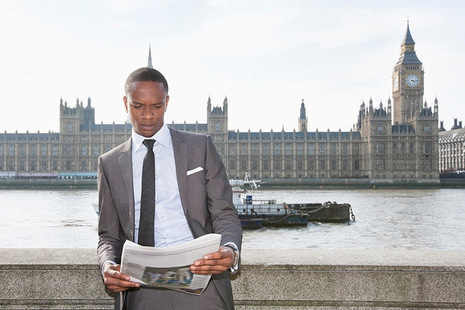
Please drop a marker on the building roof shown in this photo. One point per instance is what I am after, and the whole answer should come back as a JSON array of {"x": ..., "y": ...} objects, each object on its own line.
[
  {"x": 105, "y": 127},
  {"x": 291, "y": 135},
  {"x": 52, "y": 136},
  {"x": 452, "y": 135}
]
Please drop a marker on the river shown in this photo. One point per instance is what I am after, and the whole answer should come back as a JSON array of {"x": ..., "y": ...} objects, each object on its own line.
[{"x": 385, "y": 219}]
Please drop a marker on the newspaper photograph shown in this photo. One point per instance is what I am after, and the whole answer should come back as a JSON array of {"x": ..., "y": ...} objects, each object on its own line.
[{"x": 169, "y": 267}]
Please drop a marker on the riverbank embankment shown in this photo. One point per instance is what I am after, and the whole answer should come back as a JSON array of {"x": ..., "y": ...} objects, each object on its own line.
[
  {"x": 269, "y": 279},
  {"x": 362, "y": 183}
]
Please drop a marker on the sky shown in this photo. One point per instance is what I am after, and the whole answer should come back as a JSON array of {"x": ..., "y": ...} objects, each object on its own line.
[{"x": 264, "y": 56}]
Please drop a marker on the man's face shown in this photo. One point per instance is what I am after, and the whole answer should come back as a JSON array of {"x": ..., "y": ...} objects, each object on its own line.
[{"x": 146, "y": 103}]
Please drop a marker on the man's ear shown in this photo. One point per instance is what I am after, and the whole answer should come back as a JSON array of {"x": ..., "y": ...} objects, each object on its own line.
[
  {"x": 166, "y": 102},
  {"x": 125, "y": 100}
]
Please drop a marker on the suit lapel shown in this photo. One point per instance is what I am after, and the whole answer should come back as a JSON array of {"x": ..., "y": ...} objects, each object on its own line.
[
  {"x": 181, "y": 161},
  {"x": 125, "y": 162}
]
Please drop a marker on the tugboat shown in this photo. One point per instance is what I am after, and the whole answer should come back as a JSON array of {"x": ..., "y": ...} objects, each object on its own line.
[{"x": 255, "y": 213}]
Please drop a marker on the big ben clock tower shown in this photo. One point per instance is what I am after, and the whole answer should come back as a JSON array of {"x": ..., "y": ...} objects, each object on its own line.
[{"x": 407, "y": 83}]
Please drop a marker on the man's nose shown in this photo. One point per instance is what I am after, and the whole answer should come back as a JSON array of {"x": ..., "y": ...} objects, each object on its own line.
[{"x": 147, "y": 112}]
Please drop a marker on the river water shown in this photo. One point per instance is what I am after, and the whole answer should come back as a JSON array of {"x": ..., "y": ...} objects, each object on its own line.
[{"x": 385, "y": 219}]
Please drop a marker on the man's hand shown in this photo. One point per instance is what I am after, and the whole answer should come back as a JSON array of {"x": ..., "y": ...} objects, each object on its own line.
[
  {"x": 215, "y": 262},
  {"x": 115, "y": 280}
]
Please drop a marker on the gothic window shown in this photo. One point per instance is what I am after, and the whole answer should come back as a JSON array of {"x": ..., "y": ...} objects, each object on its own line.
[
  {"x": 84, "y": 150},
  {"x": 322, "y": 149},
  {"x": 217, "y": 126},
  {"x": 345, "y": 149},
  {"x": 345, "y": 165},
  {"x": 311, "y": 149},
  {"x": 288, "y": 149},
  {"x": 288, "y": 165},
  {"x": 299, "y": 149},
  {"x": 427, "y": 148},
  {"x": 311, "y": 165},
  {"x": 266, "y": 165},
  {"x": 266, "y": 149},
  {"x": 356, "y": 164},
  {"x": 243, "y": 149},
  {"x": 254, "y": 147},
  {"x": 11, "y": 150},
  {"x": 69, "y": 150},
  {"x": 333, "y": 165},
  {"x": 22, "y": 165},
  {"x": 96, "y": 150},
  {"x": 232, "y": 165},
  {"x": 277, "y": 149},
  {"x": 33, "y": 165},
  {"x": 43, "y": 150},
  {"x": 43, "y": 165},
  {"x": 380, "y": 129},
  {"x": 333, "y": 149},
  {"x": 1, "y": 150},
  {"x": 254, "y": 165},
  {"x": 33, "y": 150},
  {"x": 427, "y": 129},
  {"x": 55, "y": 150},
  {"x": 379, "y": 147},
  {"x": 411, "y": 149},
  {"x": 22, "y": 150},
  {"x": 322, "y": 164},
  {"x": 232, "y": 150}
]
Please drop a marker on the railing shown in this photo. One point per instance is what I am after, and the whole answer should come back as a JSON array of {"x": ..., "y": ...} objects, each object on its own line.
[{"x": 270, "y": 279}]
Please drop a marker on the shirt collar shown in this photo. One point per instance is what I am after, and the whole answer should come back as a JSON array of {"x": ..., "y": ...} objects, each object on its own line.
[{"x": 162, "y": 137}]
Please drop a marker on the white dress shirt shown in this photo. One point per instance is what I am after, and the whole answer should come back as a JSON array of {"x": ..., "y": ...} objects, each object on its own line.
[{"x": 171, "y": 226}]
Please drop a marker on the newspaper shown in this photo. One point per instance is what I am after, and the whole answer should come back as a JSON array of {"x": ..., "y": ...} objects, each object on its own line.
[{"x": 169, "y": 267}]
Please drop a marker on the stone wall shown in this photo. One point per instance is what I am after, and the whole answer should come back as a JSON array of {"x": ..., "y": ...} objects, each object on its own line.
[{"x": 270, "y": 279}]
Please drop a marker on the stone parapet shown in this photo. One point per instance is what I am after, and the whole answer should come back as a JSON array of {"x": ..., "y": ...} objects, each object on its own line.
[{"x": 270, "y": 279}]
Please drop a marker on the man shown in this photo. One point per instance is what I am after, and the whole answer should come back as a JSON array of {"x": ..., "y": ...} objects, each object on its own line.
[{"x": 192, "y": 198}]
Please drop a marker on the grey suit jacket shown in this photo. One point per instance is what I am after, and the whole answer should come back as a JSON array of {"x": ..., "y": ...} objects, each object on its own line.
[{"x": 206, "y": 197}]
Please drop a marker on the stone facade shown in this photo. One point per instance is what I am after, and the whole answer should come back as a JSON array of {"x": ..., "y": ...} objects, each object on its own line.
[
  {"x": 384, "y": 145},
  {"x": 452, "y": 148}
]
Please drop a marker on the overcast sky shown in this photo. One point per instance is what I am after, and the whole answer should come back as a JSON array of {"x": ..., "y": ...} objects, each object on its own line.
[{"x": 265, "y": 56}]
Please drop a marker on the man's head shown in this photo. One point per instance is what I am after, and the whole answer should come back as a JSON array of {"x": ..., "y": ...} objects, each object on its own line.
[{"x": 146, "y": 100}]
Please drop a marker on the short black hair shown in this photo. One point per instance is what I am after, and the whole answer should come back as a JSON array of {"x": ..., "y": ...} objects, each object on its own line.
[{"x": 145, "y": 74}]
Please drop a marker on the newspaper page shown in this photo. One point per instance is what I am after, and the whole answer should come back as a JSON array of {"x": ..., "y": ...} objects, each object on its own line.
[{"x": 169, "y": 267}]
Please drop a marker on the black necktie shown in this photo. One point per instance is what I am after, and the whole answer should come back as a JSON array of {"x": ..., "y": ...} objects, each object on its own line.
[{"x": 147, "y": 201}]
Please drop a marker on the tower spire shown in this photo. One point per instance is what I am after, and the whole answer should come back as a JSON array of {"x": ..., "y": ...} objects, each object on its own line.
[
  {"x": 149, "y": 64},
  {"x": 408, "y": 36}
]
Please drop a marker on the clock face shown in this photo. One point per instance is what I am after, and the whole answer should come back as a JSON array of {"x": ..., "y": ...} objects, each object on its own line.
[
  {"x": 412, "y": 80},
  {"x": 395, "y": 83}
]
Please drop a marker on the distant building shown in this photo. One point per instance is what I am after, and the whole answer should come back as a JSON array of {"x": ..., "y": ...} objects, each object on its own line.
[
  {"x": 452, "y": 148},
  {"x": 377, "y": 148}
]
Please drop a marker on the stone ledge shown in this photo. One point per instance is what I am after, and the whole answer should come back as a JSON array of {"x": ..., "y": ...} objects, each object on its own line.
[{"x": 270, "y": 279}]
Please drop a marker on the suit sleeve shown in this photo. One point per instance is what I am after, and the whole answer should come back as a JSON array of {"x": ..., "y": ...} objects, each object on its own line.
[
  {"x": 109, "y": 230},
  {"x": 224, "y": 218}
]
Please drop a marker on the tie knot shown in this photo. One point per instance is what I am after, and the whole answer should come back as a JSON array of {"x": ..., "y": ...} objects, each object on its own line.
[{"x": 149, "y": 143}]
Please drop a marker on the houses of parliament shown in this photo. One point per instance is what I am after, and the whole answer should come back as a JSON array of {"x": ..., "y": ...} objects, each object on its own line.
[{"x": 394, "y": 142}]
